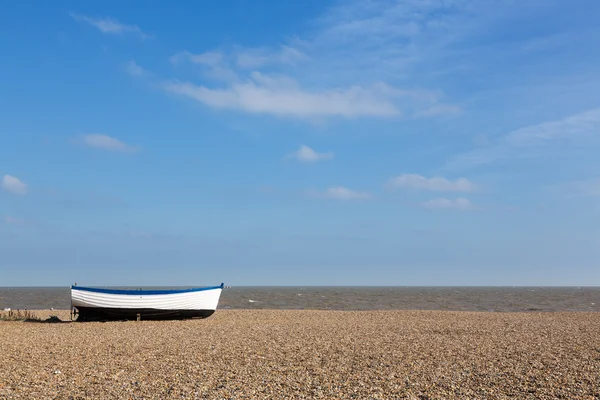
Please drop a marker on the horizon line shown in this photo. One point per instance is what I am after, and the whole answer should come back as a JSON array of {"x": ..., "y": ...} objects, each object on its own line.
[{"x": 323, "y": 286}]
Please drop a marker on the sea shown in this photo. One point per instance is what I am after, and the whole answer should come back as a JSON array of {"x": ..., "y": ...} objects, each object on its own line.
[{"x": 496, "y": 299}]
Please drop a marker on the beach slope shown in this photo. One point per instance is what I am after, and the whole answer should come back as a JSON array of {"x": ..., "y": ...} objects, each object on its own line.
[{"x": 307, "y": 354}]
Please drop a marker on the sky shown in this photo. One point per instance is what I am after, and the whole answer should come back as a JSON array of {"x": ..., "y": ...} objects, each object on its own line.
[{"x": 430, "y": 142}]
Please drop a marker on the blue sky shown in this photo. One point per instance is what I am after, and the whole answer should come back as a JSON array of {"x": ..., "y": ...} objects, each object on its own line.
[{"x": 413, "y": 142}]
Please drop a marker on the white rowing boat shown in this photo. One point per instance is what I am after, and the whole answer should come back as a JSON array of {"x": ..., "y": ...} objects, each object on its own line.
[{"x": 94, "y": 304}]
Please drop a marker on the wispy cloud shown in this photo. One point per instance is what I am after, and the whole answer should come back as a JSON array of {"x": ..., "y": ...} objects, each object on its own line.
[
  {"x": 341, "y": 193},
  {"x": 262, "y": 95},
  {"x": 106, "y": 142},
  {"x": 247, "y": 58},
  {"x": 434, "y": 38},
  {"x": 397, "y": 39},
  {"x": 405, "y": 44},
  {"x": 210, "y": 58},
  {"x": 575, "y": 126},
  {"x": 254, "y": 58},
  {"x": 436, "y": 183},
  {"x": 448, "y": 204},
  {"x": 441, "y": 43},
  {"x": 135, "y": 70},
  {"x": 13, "y": 185},
  {"x": 10, "y": 220},
  {"x": 213, "y": 64},
  {"x": 280, "y": 94},
  {"x": 109, "y": 25},
  {"x": 533, "y": 139},
  {"x": 295, "y": 79},
  {"x": 588, "y": 187},
  {"x": 308, "y": 155}
]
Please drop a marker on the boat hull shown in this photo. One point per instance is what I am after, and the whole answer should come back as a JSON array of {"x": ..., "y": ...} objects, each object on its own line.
[
  {"x": 120, "y": 314},
  {"x": 93, "y": 304}
]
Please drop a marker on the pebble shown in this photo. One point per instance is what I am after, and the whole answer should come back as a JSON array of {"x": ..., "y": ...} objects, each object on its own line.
[{"x": 240, "y": 354}]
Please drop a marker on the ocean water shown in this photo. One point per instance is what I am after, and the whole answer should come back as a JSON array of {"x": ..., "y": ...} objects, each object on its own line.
[{"x": 500, "y": 299}]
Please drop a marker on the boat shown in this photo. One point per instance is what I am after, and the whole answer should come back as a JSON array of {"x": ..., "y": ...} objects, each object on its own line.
[{"x": 104, "y": 304}]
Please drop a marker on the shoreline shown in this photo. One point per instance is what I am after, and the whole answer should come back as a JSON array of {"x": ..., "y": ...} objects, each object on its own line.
[
  {"x": 308, "y": 354},
  {"x": 45, "y": 313}
]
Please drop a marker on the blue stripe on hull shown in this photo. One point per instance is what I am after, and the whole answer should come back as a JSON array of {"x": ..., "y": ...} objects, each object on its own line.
[{"x": 138, "y": 292}]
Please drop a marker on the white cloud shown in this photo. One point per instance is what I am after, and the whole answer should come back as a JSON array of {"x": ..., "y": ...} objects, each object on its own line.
[
  {"x": 107, "y": 143},
  {"x": 109, "y": 25},
  {"x": 444, "y": 204},
  {"x": 533, "y": 139},
  {"x": 440, "y": 184},
  {"x": 306, "y": 154},
  {"x": 281, "y": 96},
  {"x": 342, "y": 193},
  {"x": 14, "y": 185},
  {"x": 134, "y": 69}
]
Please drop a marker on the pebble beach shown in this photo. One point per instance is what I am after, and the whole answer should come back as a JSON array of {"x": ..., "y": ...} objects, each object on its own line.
[{"x": 260, "y": 354}]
